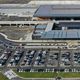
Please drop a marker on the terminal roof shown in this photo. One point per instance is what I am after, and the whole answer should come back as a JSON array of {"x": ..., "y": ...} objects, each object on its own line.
[
  {"x": 61, "y": 34},
  {"x": 68, "y": 10}
]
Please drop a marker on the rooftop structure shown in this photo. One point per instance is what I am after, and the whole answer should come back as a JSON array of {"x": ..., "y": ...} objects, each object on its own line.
[
  {"x": 61, "y": 31},
  {"x": 54, "y": 11},
  {"x": 49, "y": 27},
  {"x": 61, "y": 35}
]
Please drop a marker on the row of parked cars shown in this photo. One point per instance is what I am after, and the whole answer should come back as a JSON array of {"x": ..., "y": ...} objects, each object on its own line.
[
  {"x": 77, "y": 59},
  {"x": 47, "y": 70},
  {"x": 36, "y": 70},
  {"x": 40, "y": 58},
  {"x": 25, "y": 57},
  {"x": 4, "y": 57},
  {"x": 34, "y": 58},
  {"x": 16, "y": 58},
  {"x": 53, "y": 59},
  {"x": 65, "y": 59},
  {"x": 29, "y": 55}
]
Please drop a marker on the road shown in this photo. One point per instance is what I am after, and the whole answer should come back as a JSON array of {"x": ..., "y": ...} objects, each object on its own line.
[{"x": 23, "y": 22}]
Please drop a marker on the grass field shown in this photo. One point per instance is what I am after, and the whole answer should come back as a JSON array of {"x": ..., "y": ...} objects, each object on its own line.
[
  {"x": 13, "y": 1},
  {"x": 48, "y": 74},
  {"x": 37, "y": 74},
  {"x": 2, "y": 77},
  {"x": 70, "y": 74}
]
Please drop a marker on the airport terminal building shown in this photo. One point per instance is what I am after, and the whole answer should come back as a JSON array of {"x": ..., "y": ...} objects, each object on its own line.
[
  {"x": 62, "y": 12},
  {"x": 65, "y": 23},
  {"x": 52, "y": 23}
]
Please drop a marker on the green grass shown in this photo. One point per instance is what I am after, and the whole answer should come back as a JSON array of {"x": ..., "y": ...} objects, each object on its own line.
[
  {"x": 48, "y": 74},
  {"x": 13, "y": 1},
  {"x": 37, "y": 74},
  {"x": 2, "y": 77},
  {"x": 70, "y": 74}
]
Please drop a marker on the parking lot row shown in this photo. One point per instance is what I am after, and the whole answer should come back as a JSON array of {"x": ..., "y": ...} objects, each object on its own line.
[{"x": 39, "y": 58}]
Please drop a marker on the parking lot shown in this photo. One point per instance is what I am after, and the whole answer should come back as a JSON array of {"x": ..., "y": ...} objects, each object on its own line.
[
  {"x": 52, "y": 58},
  {"x": 33, "y": 59},
  {"x": 38, "y": 59},
  {"x": 76, "y": 59},
  {"x": 66, "y": 59}
]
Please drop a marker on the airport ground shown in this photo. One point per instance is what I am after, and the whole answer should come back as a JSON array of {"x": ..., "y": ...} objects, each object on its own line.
[
  {"x": 51, "y": 59},
  {"x": 38, "y": 62}
]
